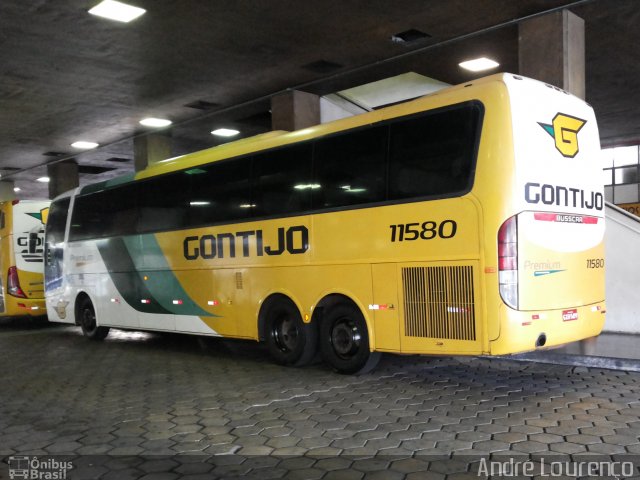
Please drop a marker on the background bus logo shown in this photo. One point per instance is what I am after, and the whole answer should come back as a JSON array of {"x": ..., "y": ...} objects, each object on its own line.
[
  {"x": 42, "y": 215},
  {"x": 564, "y": 130}
]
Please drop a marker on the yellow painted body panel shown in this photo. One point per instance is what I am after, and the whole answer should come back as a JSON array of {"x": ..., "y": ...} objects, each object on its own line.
[
  {"x": 31, "y": 282},
  {"x": 520, "y": 330}
]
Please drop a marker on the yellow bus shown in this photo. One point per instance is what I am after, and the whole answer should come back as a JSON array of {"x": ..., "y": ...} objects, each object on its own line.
[
  {"x": 21, "y": 257},
  {"x": 465, "y": 222}
]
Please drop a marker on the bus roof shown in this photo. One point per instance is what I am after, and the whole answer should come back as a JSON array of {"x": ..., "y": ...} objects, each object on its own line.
[{"x": 278, "y": 138}]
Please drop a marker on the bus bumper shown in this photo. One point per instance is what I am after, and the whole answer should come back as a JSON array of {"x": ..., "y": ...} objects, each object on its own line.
[
  {"x": 522, "y": 331},
  {"x": 15, "y": 307}
]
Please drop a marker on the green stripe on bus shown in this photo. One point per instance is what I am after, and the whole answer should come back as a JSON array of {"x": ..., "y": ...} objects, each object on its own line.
[
  {"x": 127, "y": 279},
  {"x": 96, "y": 187},
  {"x": 162, "y": 284}
]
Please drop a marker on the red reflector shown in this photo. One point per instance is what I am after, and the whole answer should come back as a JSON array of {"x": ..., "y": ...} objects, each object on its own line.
[{"x": 545, "y": 217}]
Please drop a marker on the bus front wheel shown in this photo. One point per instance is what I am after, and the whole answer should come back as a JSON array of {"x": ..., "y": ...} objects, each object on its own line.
[
  {"x": 290, "y": 341},
  {"x": 90, "y": 328},
  {"x": 344, "y": 340}
]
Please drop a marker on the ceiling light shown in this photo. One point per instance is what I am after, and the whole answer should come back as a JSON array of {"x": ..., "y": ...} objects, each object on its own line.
[
  {"x": 43, "y": 180},
  {"x": 118, "y": 11},
  {"x": 16, "y": 189},
  {"x": 225, "y": 132},
  {"x": 479, "y": 64},
  {"x": 84, "y": 145},
  {"x": 155, "y": 122}
]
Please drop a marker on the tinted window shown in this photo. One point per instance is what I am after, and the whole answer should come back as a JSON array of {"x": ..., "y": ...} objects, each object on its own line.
[
  {"x": 57, "y": 220},
  {"x": 350, "y": 168},
  {"x": 219, "y": 192},
  {"x": 104, "y": 213},
  {"x": 433, "y": 155},
  {"x": 53, "y": 250},
  {"x": 163, "y": 203},
  {"x": 282, "y": 181}
]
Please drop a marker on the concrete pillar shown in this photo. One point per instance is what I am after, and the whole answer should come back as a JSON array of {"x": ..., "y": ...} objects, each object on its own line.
[
  {"x": 6, "y": 190},
  {"x": 149, "y": 149},
  {"x": 294, "y": 110},
  {"x": 551, "y": 49},
  {"x": 63, "y": 176}
]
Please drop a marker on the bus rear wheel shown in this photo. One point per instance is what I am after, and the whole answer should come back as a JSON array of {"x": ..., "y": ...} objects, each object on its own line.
[
  {"x": 90, "y": 328},
  {"x": 290, "y": 341},
  {"x": 344, "y": 340}
]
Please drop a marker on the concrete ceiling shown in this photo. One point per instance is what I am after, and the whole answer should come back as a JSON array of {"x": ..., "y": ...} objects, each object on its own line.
[{"x": 66, "y": 75}]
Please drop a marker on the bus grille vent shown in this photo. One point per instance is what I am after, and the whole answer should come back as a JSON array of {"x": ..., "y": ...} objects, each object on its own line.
[
  {"x": 439, "y": 302},
  {"x": 239, "y": 280}
]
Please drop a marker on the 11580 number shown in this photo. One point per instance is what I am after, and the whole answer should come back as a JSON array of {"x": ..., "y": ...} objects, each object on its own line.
[{"x": 423, "y": 231}]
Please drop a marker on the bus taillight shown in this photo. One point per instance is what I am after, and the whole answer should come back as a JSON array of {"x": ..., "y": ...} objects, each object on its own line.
[
  {"x": 13, "y": 283},
  {"x": 508, "y": 262}
]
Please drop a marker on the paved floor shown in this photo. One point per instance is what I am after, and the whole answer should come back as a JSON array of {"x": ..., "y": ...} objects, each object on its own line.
[{"x": 154, "y": 406}]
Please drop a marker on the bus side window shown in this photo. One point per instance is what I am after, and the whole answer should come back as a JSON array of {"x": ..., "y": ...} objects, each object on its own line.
[
  {"x": 218, "y": 192},
  {"x": 162, "y": 204},
  {"x": 433, "y": 155},
  {"x": 350, "y": 168},
  {"x": 281, "y": 181}
]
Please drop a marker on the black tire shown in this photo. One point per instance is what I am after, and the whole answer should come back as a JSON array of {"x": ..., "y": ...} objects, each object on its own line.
[
  {"x": 290, "y": 341},
  {"x": 87, "y": 318},
  {"x": 344, "y": 340}
]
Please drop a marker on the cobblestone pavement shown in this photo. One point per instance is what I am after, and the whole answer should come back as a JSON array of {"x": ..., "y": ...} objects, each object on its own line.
[{"x": 152, "y": 406}]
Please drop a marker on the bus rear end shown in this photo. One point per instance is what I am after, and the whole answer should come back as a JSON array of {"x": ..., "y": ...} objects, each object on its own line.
[
  {"x": 551, "y": 247},
  {"x": 22, "y": 258}
]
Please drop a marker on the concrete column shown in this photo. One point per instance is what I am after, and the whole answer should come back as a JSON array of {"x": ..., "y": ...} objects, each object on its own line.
[
  {"x": 150, "y": 149},
  {"x": 294, "y": 110},
  {"x": 6, "y": 190},
  {"x": 551, "y": 49},
  {"x": 63, "y": 176}
]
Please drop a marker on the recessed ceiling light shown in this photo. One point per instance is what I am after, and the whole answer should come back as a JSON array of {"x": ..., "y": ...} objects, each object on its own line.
[
  {"x": 16, "y": 189},
  {"x": 155, "y": 122},
  {"x": 118, "y": 11},
  {"x": 225, "y": 132},
  {"x": 84, "y": 145},
  {"x": 479, "y": 64},
  {"x": 43, "y": 180}
]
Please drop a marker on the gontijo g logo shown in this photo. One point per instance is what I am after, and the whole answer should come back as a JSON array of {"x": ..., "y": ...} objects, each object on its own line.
[{"x": 564, "y": 129}]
